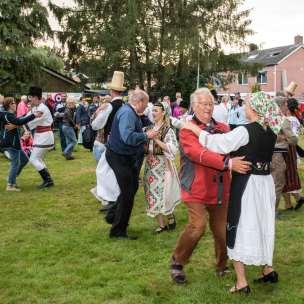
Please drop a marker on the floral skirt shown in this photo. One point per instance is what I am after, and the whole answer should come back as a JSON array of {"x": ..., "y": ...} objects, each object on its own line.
[{"x": 161, "y": 185}]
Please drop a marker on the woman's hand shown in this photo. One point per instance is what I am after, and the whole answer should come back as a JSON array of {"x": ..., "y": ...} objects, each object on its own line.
[
  {"x": 192, "y": 127},
  {"x": 10, "y": 126}
]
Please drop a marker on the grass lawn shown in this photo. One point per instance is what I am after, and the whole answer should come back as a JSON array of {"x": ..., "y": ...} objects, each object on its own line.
[{"x": 54, "y": 248}]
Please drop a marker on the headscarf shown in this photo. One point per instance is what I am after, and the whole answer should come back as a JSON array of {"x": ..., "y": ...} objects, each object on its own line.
[{"x": 269, "y": 112}]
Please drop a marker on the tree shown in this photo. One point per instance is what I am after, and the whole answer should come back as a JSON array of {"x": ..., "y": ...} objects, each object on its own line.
[
  {"x": 152, "y": 40},
  {"x": 21, "y": 23}
]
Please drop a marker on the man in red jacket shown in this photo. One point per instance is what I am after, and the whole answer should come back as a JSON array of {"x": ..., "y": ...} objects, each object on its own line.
[{"x": 205, "y": 185}]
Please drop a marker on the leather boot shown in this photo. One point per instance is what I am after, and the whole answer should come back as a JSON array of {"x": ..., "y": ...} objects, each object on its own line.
[{"x": 47, "y": 180}]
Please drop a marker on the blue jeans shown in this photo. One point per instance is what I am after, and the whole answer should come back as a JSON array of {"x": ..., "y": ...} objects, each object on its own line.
[
  {"x": 62, "y": 137},
  {"x": 18, "y": 160},
  {"x": 70, "y": 139}
]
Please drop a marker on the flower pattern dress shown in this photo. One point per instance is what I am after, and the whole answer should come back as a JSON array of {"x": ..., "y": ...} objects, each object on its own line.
[{"x": 161, "y": 182}]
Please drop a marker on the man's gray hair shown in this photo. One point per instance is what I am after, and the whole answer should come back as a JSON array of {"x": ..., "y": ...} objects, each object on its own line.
[
  {"x": 199, "y": 92},
  {"x": 279, "y": 100},
  {"x": 137, "y": 96}
]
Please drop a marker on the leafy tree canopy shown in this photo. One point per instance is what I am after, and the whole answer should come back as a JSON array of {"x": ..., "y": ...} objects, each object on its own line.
[
  {"x": 22, "y": 22},
  {"x": 153, "y": 41}
]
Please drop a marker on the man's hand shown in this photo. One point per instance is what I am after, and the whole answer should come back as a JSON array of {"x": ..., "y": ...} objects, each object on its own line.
[
  {"x": 38, "y": 114},
  {"x": 151, "y": 134},
  {"x": 10, "y": 126},
  {"x": 239, "y": 165}
]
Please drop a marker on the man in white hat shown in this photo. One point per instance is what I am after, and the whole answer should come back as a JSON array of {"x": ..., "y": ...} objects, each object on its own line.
[
  {"x": 105, "y": 114},
  {"x": 290, "y": 90}
]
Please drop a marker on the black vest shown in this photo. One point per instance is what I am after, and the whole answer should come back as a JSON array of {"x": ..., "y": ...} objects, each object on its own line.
[
  {"x": 116, "y": 104},
  {"x": 261, "y": 144}
]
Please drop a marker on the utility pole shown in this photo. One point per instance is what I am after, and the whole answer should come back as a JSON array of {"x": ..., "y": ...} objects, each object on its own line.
[{"x": 198, "y": 62}]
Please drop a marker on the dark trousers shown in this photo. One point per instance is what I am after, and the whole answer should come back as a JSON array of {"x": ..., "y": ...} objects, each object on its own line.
[{"x": 125, "y": 168}]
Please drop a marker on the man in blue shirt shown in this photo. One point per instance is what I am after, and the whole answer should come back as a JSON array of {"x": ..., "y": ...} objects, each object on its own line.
[
  {"x": 236, "y": 115},
  {"x": 125, "y": 143}
]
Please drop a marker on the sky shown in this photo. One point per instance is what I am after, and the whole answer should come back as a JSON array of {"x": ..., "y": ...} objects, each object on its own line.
[{"x": 275, "y": 22}]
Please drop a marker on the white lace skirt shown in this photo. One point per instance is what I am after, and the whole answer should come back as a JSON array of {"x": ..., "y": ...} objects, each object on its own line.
[{"x": 254, "y": 243}]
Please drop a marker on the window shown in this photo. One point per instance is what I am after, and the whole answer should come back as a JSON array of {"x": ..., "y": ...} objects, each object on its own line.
[
  {"x": 262, "y": 77},
  {"x": 242, "y": 79},
  {"x": 253, "y": 56},
  {"x": 275, "y": 54}
]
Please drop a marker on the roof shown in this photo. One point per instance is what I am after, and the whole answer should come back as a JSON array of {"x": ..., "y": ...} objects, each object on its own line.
[
  {"x": 270, "y": 56},
  {"x": 61, "y": 76}
]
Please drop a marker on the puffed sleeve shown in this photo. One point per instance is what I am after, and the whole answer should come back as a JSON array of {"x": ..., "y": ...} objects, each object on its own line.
[
  {"x": 172, "y": 144},
  {"x": 225, "y": 143}
]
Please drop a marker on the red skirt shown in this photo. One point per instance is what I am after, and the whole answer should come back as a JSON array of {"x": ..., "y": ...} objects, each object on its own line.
[{"x": 292, "y": 177}]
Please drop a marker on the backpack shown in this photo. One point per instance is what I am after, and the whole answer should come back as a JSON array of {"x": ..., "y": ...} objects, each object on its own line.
[{"x": 88, "y": 137}]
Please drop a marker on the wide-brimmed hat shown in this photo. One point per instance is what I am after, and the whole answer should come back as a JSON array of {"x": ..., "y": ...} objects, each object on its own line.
[
  {"x": 35, "y": 91},
  {"x": 291, "y": 88},
  {"x": 117, "y": 82}
]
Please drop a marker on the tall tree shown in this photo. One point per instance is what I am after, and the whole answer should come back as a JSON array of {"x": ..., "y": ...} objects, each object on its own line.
[
  {"x": 153, "y": 40},
  {"x": 21, "y": 23}
]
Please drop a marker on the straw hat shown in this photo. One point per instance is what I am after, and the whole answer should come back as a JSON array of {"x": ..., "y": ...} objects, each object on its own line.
[
  {"x": 117, "y": 82},
  {"x": 291, "y": 88}
]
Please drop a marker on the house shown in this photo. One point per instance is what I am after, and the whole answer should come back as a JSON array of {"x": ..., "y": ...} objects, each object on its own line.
[
  {"x": 53, "y": 81},
  {"x": 280, "y": 66}
]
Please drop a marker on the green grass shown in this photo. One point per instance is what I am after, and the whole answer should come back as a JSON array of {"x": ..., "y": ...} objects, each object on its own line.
[{"x": 54, "y": 248}]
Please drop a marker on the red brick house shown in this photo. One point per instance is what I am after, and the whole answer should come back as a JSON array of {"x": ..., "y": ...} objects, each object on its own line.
[{"x": 281, "y": 65}]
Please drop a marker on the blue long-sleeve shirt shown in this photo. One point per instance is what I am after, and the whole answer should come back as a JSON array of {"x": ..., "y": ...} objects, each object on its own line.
[
  {"x": 126, "y": 137},
  {"x": 237, "y": 116}
]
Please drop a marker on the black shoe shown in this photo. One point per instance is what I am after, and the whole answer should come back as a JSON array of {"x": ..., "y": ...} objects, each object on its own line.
[
  {"x": 171, "y": 222},
  {"x": 69, "y": 157},
  {"x": 107, "y": 207},
  {"x": 124, "y": 237},
  {"x": 46, "y": 185},
  {"x": 160, "y": 229},
  {"x": 223, "y": 272},
  {"x": 246, "y": 290},
  {"x": 47, "y": 180},
  {"x": 271, "y": 277},
  {"x": 299, "y": 203}
]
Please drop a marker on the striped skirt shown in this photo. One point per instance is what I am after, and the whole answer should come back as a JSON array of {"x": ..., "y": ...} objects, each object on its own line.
[{"x": 292, "y": 177}]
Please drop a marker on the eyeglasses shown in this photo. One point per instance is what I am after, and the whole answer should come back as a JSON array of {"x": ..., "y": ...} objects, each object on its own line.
[{"x": 205, "y": 104}]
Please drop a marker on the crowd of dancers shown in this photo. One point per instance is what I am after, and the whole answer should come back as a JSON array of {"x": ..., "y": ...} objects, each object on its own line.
[{"x": 237, "y": 158}]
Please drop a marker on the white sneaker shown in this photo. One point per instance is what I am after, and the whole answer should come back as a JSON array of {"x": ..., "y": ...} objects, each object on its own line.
[{"x": 12, "y": 188}]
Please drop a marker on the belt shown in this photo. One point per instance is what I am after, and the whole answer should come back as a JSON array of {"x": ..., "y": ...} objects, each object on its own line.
[
  {"x": 42, "y": 129},
  {"x": 280, "y": 150},
  {"x": 260, "y": 168}
]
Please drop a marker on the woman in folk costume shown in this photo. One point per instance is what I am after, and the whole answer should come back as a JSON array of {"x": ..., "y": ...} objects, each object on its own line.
[
  {"x": 251, "y": 211},
  {"x": 293, "y": 184},
  {"x": 161, "y": 183}
]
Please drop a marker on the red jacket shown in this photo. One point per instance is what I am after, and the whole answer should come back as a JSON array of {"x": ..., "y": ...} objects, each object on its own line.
[{"x": 201, "y": 170}]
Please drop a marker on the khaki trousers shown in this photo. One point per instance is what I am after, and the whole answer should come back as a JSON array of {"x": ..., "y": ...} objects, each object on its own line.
[
  {"x": 278, "y": 168},
  {"x": 198, "y": 217}
]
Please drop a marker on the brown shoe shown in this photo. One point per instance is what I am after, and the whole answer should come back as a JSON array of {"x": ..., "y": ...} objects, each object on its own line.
[{"x": 177, "y": 273}]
